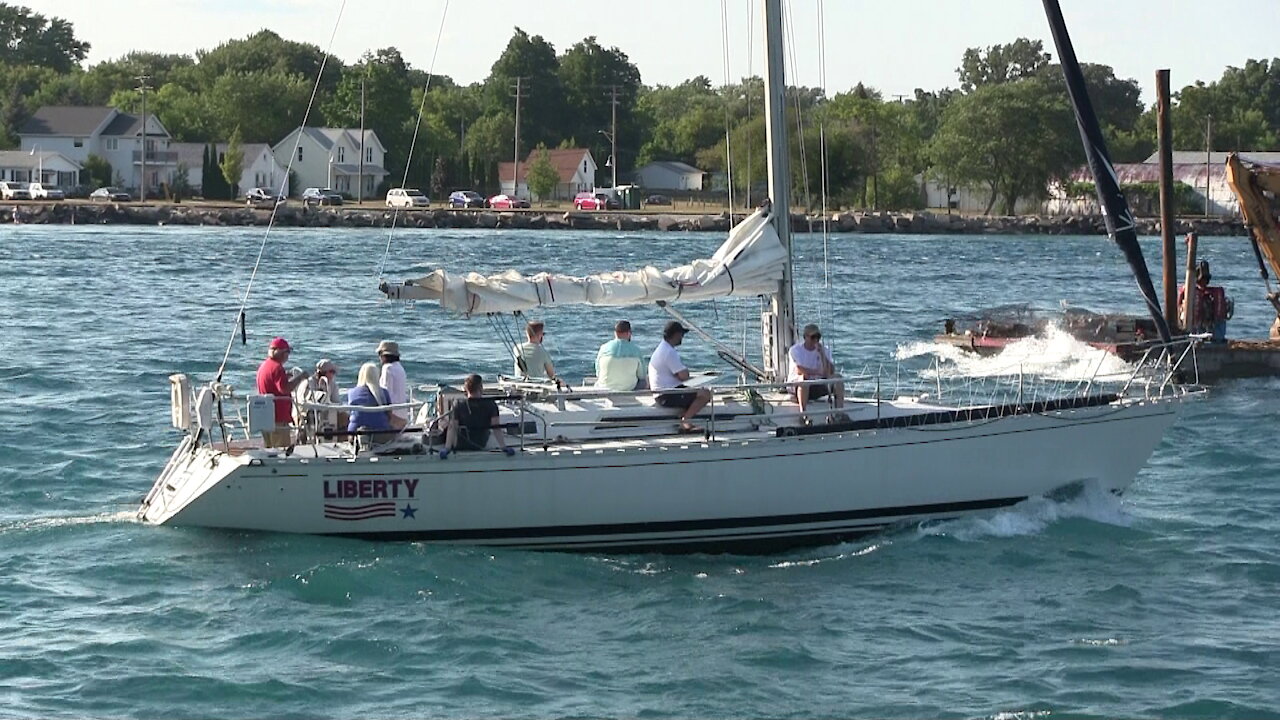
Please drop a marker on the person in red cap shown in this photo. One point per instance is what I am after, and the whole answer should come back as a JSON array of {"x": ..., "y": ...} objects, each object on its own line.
[{"x": 273, "y": 380}]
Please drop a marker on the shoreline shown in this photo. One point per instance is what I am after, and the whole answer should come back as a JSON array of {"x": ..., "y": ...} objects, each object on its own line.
[{"x": 905, "y": 223}]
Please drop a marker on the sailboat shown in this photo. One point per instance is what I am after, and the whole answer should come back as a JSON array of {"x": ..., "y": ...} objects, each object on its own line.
[{"x": 607, "y": 471}]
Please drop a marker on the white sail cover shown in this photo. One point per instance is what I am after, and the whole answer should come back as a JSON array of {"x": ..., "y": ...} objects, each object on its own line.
[{"x": 750, "y": 262}]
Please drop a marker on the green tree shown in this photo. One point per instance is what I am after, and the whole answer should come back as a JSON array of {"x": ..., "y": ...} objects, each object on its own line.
[
  {"x": 232, "y": 164},
  {"x": 266, "y": 52},
  {"x": 29, "y": 38},
  {"x": 532, "y": 60},
  {"x": 590, "y": 74},
  {"x": 97, "y": 172},
  {"x": 542, "y": 176},
  {"x": 384, "y": 78},
  {"x": 1010, "y": 138},
  {"x": 997, "y": 64}
]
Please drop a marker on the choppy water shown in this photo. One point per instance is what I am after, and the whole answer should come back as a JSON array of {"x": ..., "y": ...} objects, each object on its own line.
[{"x": 1160, "y": 605}]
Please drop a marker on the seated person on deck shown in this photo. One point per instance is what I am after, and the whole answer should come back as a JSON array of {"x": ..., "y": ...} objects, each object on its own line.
[
  {"x": 620, "y": 365},
  {"x": 472, "y": 420},
  {"x": 532, "y": 360},
  {"x": 811, "y": 360},
  {"x": 368, "y": 393}
]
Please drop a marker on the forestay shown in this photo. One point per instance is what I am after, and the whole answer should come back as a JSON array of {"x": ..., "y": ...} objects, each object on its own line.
[{"x": 749, "y": 263}]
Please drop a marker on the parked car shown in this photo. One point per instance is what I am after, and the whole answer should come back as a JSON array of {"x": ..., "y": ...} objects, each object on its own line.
[
  {"x": 611, "y": 202},
  {"x": 587, "y": 201},
  {"x": 261, "y": 196},
  {"x": 40, "y": 191},
  {"x": 466, "y": 199},
  {"x": 321, "y": 196},
  {"x": 14, "y": 191},
  {"x": 657, "y": 200},
  {"x": 506, "y": 202},
  {"x": 110, "y": 194},
  {"x": 407, "y": 198}
]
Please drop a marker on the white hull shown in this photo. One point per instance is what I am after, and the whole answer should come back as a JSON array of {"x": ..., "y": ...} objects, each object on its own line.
[{"x": 745, "y": 491}]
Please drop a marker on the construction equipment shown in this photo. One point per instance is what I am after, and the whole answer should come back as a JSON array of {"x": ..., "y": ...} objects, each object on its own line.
[{"x": 1257, "y": 187}]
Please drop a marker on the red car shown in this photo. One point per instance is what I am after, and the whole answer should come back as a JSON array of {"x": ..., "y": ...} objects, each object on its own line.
[
  {"x": 587, "y": 201},
  {"x": 506, "y": 202}
]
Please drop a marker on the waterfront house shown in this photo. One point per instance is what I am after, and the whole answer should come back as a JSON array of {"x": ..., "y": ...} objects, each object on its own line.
[
  {"x": 260, "y": 169},
  {"x": 42, "y": 166},
  {"x": 575, "y": 166},
  {"x": 117, "y": 137},
  {"x": 669, "y": 175},
  {"x": 331, "y": 158}
]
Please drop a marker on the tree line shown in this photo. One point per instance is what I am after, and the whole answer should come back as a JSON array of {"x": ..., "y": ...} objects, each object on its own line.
[{"x": 1006, "y": 128}]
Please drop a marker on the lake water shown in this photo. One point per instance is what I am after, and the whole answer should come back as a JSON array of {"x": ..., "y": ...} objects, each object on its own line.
[{"x": 1163, "y": 604}]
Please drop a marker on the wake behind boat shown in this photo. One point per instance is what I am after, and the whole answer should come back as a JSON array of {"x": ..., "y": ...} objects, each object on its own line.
[{"x": 609, "y": 470}]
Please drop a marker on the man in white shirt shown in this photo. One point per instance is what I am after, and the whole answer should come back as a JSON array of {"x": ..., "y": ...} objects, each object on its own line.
[
  {"x": 811, "y": 360},
  {"x": 394, "y": 381},
  {"x": 666, "y": 371}
]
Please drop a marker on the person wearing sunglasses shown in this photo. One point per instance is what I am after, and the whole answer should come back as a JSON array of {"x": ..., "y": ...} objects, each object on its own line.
[{"x": 811, "y": 360}]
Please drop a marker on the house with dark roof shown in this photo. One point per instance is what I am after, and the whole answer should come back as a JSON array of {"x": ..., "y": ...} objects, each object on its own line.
[
  {"x": 575, "y": 166},
  {"x": 48, "y": 168},
  {"x": 669, "y": 175},
  {"x": 118, "y": 137},
  {"x": 337, "y": 158}
]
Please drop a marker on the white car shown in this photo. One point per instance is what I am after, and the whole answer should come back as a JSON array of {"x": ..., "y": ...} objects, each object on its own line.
[
  {"x": 14, "y": 191},
  {"x": 406, "y": 198},
  {"x": 40, "y": 191}
]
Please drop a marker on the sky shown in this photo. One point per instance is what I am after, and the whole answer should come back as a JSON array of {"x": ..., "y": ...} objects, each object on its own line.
[{"x": 894, "y": 46}]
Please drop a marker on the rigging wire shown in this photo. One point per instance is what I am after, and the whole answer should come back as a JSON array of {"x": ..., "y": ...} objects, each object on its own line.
[
  {"x": 826, "y": 310},
  {"x": 728, "y": 127},
  {"x": 413, "y": 143},
  {"x": 793, "y": 66},
  {"x": 271, "y": 221},
  {"x": 751, "y": 18}
]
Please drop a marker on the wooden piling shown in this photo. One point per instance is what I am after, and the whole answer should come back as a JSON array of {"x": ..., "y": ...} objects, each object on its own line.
[{"x": 1169, "y": 251}]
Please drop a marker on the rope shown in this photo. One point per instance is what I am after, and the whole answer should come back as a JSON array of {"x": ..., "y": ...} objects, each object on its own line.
[
  {"x": 271, "y": 222},
  {"x": 728, "y": 127},
  {"x": 413, "y": 143},
  {"x": 751, "y": 18}
]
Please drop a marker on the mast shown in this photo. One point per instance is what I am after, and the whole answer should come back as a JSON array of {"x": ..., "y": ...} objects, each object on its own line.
[
  {"x": 1115, "y": 209},
  {"x": 779, "y": 322}
]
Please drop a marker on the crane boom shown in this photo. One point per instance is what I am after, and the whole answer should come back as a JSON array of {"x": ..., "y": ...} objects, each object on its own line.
[{"x": 1257, "y": 187}]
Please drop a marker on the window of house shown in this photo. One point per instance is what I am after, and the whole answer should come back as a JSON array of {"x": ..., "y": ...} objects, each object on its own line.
[
  {"x": 342, "y": 154},
  {"x": 299, "y": 153},
  {"x": 78, "y": 142},
  {"x": 111, "y": 143},
  {"x": 368, "y": 155}
]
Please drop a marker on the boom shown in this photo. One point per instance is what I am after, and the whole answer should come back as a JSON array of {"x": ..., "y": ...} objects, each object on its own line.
[{"x": 1257, "y": 187}]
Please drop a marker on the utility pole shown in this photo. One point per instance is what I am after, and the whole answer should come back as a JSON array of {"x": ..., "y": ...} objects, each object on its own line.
[
  {"x": 360, "y": 177},
  {"x": 1208, "y": 147},
  {"x": 515, "y": 173},
  {"x": 144, "y": 87},
  {"x": 613, "y": 137}
]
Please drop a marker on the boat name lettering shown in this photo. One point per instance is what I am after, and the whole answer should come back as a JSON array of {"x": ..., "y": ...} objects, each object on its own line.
[{"x": 369, "y": 489}]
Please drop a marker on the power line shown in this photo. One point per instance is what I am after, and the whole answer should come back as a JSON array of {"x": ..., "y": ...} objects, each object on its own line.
[{"x": 143, "y": 85}]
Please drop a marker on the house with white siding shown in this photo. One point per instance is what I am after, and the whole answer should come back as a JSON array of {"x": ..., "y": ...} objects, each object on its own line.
[
  {"x": 49, "y": 168},
  {"x": 260, "y": 169},
  {"x": 332, "y": 158},
  {"x": 118, "y": 137},
  {"x": 575, "y": 166}
]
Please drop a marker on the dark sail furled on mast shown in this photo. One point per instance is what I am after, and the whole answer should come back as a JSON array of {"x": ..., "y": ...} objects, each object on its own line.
[{"x": 1115, "y": 209}]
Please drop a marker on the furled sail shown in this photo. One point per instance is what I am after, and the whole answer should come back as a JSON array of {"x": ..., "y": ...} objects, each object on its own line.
[
  {"x": 749, "y": 263},
  {"x": 1115, "y": 209}
]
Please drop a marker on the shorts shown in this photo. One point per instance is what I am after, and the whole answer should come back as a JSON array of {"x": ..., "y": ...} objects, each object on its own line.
[
  {"x": 676, "y": 400},
  {"x": 818, "y": 391}
]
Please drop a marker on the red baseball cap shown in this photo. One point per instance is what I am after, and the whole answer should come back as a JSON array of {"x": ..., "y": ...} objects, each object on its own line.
[{"x": 279, "y": 344}]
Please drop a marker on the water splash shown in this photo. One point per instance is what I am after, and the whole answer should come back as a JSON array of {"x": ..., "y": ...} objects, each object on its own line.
[
  {"x": 1056, "y": 355},
  {"x": 45, "y": 523},
  {"x": 1089, "y": 501}
]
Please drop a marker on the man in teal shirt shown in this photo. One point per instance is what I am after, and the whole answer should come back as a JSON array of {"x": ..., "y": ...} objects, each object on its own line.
[{"x": 620, "y": 365}]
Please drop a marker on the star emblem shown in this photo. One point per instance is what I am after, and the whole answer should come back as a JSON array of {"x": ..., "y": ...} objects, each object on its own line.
[{"x": 409, "y": 512}]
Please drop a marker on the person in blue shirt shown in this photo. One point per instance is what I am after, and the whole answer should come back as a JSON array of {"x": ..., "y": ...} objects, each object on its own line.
[
  {"x": 368, "y": 393},
  {"x": 620, "y": 365}
]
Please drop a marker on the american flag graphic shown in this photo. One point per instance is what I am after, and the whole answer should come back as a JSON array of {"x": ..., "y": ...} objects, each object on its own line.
[{"x": 360, "y": 512}]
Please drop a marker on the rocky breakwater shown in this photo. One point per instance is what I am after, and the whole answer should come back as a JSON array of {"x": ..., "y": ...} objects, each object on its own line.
[{"x": 910, "y": 223}]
